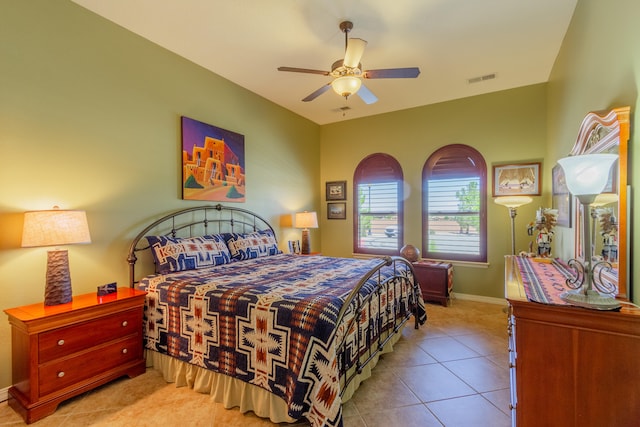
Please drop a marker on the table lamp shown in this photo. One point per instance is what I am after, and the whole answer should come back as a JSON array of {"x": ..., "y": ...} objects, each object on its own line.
[
  {"x": 306, "y": 220},
  {"x": 52, "y": 228},
  {"x": 513, "y": 203},
  {"x": 586, "y": 177}
]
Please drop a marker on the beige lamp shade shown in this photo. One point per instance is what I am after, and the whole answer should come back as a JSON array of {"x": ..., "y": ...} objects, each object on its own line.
[
  {"x": 513, "y": 201},
  {"x": 55, "y": 227},
  {"x": 603, "y": 199},
  {"x": 306, "y": 220}
]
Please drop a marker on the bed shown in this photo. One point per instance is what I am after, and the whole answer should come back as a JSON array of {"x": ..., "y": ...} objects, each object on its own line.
[{"x": 283, "y": 335}]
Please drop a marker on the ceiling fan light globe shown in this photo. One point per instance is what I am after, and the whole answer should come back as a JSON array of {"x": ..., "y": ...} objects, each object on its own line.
[{"x": 346, "y": 86}]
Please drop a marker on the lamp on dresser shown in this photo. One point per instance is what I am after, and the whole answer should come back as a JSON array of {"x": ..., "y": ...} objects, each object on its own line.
[
  {"x": 513, "y": 203},
  {"x": 53, "y": 228},
  {"x": 306, "y": 220},
  {"x": 586, "y": 177}
]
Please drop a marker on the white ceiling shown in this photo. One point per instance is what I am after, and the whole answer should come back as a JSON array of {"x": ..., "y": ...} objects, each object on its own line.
[{"x": 451, "y": 41}]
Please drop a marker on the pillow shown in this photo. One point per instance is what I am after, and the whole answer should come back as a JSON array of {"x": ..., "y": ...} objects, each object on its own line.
[
  {"x": 252, "y": 245},
  {"x": 175, "y": 254}
]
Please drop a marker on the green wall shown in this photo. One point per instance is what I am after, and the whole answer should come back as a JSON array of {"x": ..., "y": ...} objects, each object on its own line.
[
  {"x": 507, "y": 126},
  {"x": 90, "y": 119},
  {"x": 598, "y": 68}
]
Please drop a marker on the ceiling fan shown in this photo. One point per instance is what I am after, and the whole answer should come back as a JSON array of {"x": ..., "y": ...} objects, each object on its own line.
[{"x": 347, "y": 73}]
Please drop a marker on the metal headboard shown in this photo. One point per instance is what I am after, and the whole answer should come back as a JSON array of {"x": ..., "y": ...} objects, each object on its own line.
[{"x": 196, "y": 221}]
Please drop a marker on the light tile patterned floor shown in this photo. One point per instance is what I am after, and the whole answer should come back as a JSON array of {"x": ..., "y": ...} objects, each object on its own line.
[{"x": 451, "y": 372}]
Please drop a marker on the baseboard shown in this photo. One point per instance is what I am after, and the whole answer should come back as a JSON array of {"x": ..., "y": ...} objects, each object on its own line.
[
  {"x": 479, "y": 298},
  {"x": 4, "y": 394}
]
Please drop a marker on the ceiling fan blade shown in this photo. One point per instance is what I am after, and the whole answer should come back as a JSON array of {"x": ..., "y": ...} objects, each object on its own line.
[
  {"x": 355, "y": 49},
  {"x": 392, "y": 73},
  {"x": 317, "y": 93},
  {"x": 366, "y": 95},
  {"x": 303, "y": 70}
]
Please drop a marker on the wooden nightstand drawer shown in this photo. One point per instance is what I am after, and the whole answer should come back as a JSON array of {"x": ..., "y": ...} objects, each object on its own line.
[
  {"x": 68, "y": 340},
  {"x": 67, "y": 371}
]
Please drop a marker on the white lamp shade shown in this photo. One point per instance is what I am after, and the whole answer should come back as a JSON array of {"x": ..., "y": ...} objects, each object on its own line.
[
  {"x": 513, "y": 201},
  {"x": 306, "y": 220},
  {"x": 55, "y": 227},
  {"x": 346, "y": 85},
  {"x": 587, "y": 174}
]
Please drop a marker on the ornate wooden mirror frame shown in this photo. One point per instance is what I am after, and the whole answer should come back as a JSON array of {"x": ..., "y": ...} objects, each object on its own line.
[{"x": 608, "y": 132}]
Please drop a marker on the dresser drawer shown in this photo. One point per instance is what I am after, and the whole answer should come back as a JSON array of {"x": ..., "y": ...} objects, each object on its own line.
[
  {"x": 68, "y": 371},
  {"x": 68, "y": 340}
]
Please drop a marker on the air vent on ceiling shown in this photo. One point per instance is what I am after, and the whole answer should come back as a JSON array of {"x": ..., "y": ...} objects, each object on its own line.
[
  {"x": 481, "y": 78},
  {"x": 342, "y": 110}
]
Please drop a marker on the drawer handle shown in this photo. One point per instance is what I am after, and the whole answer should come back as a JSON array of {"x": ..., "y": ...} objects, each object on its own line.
[
  {"x": 60, "y": 342},
  {"x": 125, "y": 323},
  {"x": 60, "y": 374},
  {"x": 124, "y": 351}
]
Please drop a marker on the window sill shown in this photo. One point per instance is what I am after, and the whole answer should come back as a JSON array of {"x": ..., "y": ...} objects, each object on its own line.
[{"x": 471, "y": 264}]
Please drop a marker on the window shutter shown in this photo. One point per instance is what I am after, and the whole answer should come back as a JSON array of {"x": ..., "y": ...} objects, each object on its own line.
[
  {"x": 454, "y": 204},
  {"x": 378, "y": 205}
]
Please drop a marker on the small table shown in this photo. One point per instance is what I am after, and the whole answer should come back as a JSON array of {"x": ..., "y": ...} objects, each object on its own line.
[
  {"x": 61, "y": 351},
  {"x": 435, "y": 280}
]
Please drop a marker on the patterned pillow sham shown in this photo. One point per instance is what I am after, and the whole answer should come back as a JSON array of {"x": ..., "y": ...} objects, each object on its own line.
[
  {"x": 171, "y": 255},
  {"x": 252, "y": 245}
]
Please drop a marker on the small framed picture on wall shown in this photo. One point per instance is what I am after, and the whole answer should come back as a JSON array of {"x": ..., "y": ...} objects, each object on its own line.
[
  {"x": 336, "y": 211},
  {"x": 336, "y": 190}
]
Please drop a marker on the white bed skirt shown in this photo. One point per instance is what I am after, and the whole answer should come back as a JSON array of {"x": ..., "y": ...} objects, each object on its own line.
[{"x": 232, "y": 392}]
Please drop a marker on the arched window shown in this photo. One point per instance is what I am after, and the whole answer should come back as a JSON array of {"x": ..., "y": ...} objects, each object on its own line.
[
  {"x": 378, "y": 206},
  {"x": 454, "y": 205}
]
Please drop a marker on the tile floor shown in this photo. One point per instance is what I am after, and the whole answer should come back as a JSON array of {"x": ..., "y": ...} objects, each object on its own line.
[{"x": 451, "y": 372}]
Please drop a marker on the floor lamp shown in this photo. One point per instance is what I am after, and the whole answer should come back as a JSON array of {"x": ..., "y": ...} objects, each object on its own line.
[
  {"x": 513, "y": 203},
  {"x": 597, "y": 207},
  {"x": 586, "y": 177}
]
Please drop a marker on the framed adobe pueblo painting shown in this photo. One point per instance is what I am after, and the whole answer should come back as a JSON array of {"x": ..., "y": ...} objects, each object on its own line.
[{"x": 213, "y": 167}]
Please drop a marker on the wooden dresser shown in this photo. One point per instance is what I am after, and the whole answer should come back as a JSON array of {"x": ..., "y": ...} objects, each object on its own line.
[
  {"x": 571, "y": 366},
  {"x": 64, "y": 350}
]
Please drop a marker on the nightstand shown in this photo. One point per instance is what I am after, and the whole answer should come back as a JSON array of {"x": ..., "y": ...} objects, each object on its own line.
[
  {"x": 64, "y": 350},
  {"x": 435, "y": 280}
]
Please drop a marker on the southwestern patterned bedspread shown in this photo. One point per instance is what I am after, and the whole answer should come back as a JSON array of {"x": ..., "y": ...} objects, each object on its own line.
[{"x": 271, "y": 322}]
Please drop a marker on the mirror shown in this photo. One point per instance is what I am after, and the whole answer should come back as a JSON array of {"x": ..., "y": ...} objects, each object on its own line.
[{"x": 607, "y": 132}]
